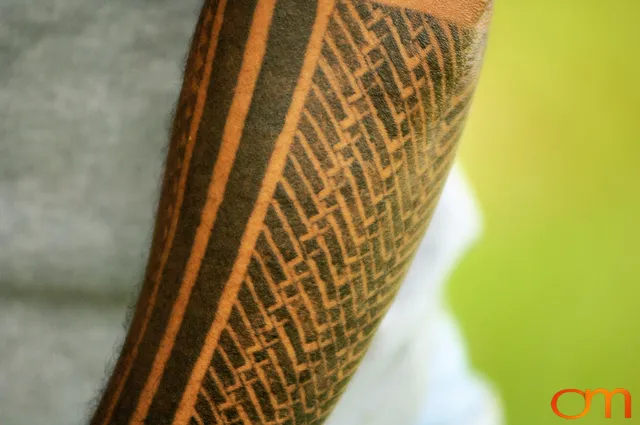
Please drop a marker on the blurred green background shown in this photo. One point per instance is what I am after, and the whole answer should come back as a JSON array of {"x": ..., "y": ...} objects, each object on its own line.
[{"x": 549, "y": 297}]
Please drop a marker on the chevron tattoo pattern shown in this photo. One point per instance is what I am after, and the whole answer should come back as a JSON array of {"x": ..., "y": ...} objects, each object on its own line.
[{"x": 310, "y": 144}]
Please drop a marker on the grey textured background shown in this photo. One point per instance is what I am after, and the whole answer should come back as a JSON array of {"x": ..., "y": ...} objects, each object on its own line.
[
  {"x": 86, "y": 93},
  {"x": 87, "y": 90}
]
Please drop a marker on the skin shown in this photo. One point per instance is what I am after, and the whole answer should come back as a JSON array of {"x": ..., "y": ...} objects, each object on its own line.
[{"x": 309, "y": 147}]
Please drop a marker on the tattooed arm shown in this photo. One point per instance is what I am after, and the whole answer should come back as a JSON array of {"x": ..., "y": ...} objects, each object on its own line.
[{"x": 310, "y": 143}]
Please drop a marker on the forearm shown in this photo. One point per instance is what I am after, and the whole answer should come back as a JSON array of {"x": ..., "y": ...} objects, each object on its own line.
[{"x": 309, "y": 146}]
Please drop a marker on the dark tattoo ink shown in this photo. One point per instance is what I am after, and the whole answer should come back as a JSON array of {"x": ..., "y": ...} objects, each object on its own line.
[{"x": 310, "y": 144}]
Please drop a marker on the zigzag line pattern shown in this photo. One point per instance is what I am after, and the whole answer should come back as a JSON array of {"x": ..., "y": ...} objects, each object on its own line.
[{"x": 372, "y": 147}]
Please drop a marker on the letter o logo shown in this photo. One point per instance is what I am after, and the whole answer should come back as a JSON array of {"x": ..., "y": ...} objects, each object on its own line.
[{"x": 556, "y": 397}]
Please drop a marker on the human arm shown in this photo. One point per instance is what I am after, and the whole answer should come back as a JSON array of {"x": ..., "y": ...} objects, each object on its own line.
[{"x": 310, "y": 143}]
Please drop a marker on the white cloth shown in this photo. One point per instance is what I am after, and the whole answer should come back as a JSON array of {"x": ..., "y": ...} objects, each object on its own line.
[{"x": 416, "y": 371}]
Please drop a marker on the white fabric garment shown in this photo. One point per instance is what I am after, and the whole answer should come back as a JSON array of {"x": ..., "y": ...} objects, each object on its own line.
[{"x": 416, "y": 371}]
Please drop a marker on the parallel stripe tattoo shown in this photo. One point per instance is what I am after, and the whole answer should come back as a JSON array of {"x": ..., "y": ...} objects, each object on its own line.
[
  {"x": 310, "y": 144},
  {"x": 190, "y": 110}
]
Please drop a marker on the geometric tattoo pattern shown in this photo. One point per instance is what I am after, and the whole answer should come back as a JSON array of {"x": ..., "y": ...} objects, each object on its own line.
[
  {"x": 349, "y": 122},
  {"x": 345, "y": 219}
]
